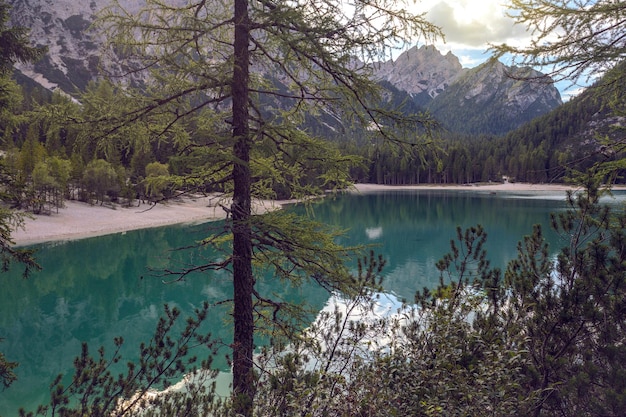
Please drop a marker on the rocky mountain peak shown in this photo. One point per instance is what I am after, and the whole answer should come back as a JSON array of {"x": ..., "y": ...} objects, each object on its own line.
[
  {"x": 63, "y": 26},
  {"x": 433, "y": 80},
  {"x": 421, "y": 70},
  {"x": 495, "y": 95},
  {"x": 516, "y": 88}
]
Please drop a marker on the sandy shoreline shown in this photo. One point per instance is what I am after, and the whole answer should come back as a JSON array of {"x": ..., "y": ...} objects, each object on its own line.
[
  {"x": 80, "y": 220},
  {"x": 509, "y": 187}
]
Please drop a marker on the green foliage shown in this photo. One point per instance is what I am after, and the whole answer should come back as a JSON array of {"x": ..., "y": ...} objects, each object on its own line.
[
  {"x": 572, "y": 311},
  {"x": 157, "y": 180},
  {"x": 31, "y": 153},
  {"x": 7, "y": 376},
  {"x": 49, "y": 184},
  {"x": 14, "y": 43},
  {"x": 167, "y": 380},
  {"x": 10, "y": 220},
  {"x": 10, "y": 103},
  {"x": 100, "y": 180}
]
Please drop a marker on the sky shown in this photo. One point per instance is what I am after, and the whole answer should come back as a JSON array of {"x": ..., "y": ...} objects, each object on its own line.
[{"x": 470, "y": 26}]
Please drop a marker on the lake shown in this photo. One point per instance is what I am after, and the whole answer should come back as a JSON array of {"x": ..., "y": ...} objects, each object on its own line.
[{"x": 96, "y": 289}]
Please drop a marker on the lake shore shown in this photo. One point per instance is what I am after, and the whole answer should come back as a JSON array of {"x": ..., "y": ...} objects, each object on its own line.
[
  {"x": 81, "y": 220},
  {"x": 509, "y": 187}
]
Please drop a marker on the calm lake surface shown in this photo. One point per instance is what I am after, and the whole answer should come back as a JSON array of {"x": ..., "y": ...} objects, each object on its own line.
[{"x": 96, "y": 289}]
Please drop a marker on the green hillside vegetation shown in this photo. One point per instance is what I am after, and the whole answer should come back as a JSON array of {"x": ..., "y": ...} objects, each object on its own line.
[
  {"x": 573, "y": 137},
  {"x": 460, "y": 110},
  {"x": 54, "y": 154},
  {"x": 53, "y": 159}
]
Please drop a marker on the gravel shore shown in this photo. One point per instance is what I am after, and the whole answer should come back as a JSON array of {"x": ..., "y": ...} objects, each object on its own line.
[{"x": 80, "y": 220}]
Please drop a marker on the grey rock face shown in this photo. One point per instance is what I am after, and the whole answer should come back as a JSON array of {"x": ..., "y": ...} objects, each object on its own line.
[
  {"x": 420, "y": 70},
  {"x": 63, "y": 26},
  {"x": 435, "y": 81}
]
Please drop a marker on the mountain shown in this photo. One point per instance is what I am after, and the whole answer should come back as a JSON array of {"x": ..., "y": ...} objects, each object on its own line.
[
  {"x": 581, "y": 128},
  {"x": 471, "y": 101},
  {"x": 75, "y": 53},
  {"x": 73, "y": 56},
  {"x": 491, "y": 98},
  {"x": 422, "y": 72}
]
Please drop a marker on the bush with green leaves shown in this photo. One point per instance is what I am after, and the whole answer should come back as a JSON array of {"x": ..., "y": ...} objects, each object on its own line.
[
  {"x": 545, "y": 338},
  {"x": 167, "y": 379}
]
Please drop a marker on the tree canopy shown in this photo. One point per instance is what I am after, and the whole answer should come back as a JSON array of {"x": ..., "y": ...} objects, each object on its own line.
[
  {"x": 14, "y": 43},
  {"x": 234, "y": 80},
  {"x": 574, "y": 39},
  {"x": 14, "y": 47}
]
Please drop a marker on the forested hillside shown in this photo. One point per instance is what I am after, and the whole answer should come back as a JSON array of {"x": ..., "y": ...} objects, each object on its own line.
[
  {"x": 54, "y": 154},
  {"x": 51, "y": 158},
  {"x": 546, "y": 149}
]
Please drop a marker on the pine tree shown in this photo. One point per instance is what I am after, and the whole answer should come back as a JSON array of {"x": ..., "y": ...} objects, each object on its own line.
[{"x": 232, "y": 83}]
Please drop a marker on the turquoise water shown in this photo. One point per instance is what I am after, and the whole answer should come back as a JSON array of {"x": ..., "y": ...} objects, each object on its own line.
[{"x": 96, "y": 289}]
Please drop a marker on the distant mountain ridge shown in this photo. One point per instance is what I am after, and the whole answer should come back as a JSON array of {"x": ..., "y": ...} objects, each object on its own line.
[
  {"x": 62, "y": 26},
  {"x": 491, "y": 98},
  {"x": 471, "y": 101},
  {"x": 583, "y": 127},
  {"x": 422, "y": 72},
  {"x": 495, "y": 95}
]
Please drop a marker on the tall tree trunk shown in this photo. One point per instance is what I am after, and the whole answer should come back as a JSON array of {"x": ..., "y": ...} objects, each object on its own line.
[{"x": 243, "y": 377}]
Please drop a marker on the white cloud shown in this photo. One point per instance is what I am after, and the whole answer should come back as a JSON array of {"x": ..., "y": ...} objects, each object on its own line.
[
  {"x": 568, "y": 94},
  {"x": 470, "y": 60},
  {"x": 472, "y": 24}
]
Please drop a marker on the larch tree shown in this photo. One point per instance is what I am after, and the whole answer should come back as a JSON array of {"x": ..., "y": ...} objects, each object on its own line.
[
  {"x": 580, "y": 40},
  {"x": 14, "y": 47},
  {"x": 231, "y": 83},
  {"x": 572, "y": 39}
]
